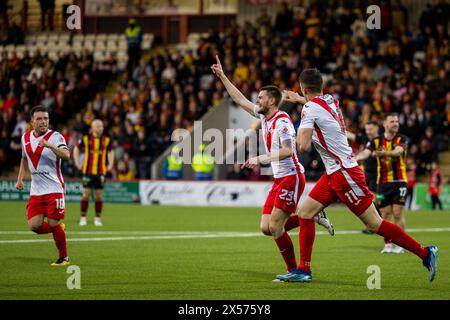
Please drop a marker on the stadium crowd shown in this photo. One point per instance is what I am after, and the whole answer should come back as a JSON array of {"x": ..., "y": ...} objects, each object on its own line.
[
  {"x": 370, "y": 71},
  {"x": 64, "y": 86}
]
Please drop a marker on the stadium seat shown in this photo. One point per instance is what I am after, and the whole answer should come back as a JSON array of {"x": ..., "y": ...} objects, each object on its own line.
[
  {"x": 99, "y": 45},
  {"x": 99, "y": 56},
  {"x": 64, "y": 38},
  {"x": 101, "y": 37},
  {"x": 111, "y": 45},
  {"x": 113, "y": 37},
  {"x": 89, "y": 44}
]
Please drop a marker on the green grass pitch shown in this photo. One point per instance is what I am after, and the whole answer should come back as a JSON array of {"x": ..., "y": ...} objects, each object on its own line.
[{"x": 154, "y": 252}]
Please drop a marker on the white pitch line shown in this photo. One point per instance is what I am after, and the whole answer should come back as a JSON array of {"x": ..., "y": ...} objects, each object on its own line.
[
  {"x": 205, "y": 235},
  {"x": 113, "y": 232}
]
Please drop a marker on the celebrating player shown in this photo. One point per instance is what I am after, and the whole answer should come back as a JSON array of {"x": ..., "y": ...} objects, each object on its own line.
[
  {"x": 289, "y": 178},
  {"x": 42, "y": 151},
  {"x": 96, "y": 147},
  {"x": 323, "y": 125},
  {"x": 390, "y": 153}
]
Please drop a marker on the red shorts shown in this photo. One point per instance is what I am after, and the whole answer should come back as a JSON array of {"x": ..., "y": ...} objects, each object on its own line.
[
  {"x": 348, "y": 185},
  {"x": 285, "y": 193},
  {"x": 50, "y": 205}
]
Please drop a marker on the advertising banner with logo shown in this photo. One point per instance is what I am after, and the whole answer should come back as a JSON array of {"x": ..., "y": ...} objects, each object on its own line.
[
  {"x": 206, "y": 193},
  {"x": 114, "y": 192}
]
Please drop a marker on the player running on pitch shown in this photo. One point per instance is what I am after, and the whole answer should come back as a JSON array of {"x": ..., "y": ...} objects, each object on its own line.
[
  {"x": 323, "y": 125},
  {"x": 289, "y": 178},
  {"x": 42, "y": 151}
]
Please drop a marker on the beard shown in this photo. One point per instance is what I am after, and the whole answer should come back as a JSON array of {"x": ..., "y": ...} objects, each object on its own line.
[{"x": 263, "y": 110}]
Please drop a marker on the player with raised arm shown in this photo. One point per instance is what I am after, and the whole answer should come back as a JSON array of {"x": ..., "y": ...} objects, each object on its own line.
[
  {"x": 322, "y": 124},
  {"x": 42, "y": 151},
  {"x": 289, "y": 178}
]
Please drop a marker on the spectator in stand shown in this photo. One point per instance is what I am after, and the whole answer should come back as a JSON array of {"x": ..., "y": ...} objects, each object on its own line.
[
  {"x": 283, "y": 21},
  {"x": 4, "y": 13},
  {"x": 124, "y": 172},
  {"x": 133, "y": 35},
  {"x": 435, "y": 186},
  {"x": 47, "y": 14}
]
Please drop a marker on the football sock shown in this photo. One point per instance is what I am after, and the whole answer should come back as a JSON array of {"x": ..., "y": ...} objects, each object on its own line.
[
  {"x": 292, "y": 222},
  {"x": 307, "y": 235},
  {"x": 396, "y": 235},
  {"x": 60, "y": 240},
  {"x": 44, "y": 228},
  {"x": 286, "y": 247},
  {"x": 84, "y": 207},
  {"x": 98, "y": 208}
]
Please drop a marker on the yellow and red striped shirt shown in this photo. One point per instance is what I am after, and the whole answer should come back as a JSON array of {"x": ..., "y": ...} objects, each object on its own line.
[
  {"x": 390, "y": 169},
  {"x": 95, "y": 151}
]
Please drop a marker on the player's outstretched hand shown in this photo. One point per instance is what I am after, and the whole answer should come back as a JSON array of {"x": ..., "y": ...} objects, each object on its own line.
[
  {"x": 19, "y": 185},
  {"x": 251, "y": 163},
  {"x": 293, "y": 97},
  {"x": 217, "y": 68}
]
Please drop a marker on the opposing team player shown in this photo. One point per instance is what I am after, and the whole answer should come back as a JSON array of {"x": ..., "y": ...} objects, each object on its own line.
[
  {"x": 42, "y": 152},
  {"x": 97, "y": 151},
  {"x": 289, "y": 178},
  {"x": 389, "y": 150},
  {"x": 323, "y": 125}
]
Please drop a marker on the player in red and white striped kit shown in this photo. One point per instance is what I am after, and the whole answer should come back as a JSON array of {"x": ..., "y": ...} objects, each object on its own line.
[
  {"x": 42, "y": 152},
  {"x": 323, "y": 125},
  {"x": 289, "y": 179}
]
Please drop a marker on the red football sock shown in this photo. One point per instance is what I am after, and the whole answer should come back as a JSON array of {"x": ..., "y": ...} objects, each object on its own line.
[
  {"x": 98, "y": 208},
  {"x": 84, "y": 206},
  {"x": 292, "y": 222},
  {"x": 307, "y": 235},
  {"x": 286, "y": 247},
  {"x": 45, "y": 228},
  {"x": 387, "y": 241},
  {"x": 60, "y": 240},
  {"x": 395, "y": 234}
]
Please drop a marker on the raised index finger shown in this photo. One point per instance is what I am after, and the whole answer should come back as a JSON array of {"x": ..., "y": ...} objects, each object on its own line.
[{"x": 217, "y": 59}]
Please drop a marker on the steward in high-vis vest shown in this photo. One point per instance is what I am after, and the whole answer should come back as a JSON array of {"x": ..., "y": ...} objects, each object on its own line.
[
  {"x": 173, "y": 166},
  {"x": 203, "y": 165},
  {"x": 133, "y": 34}
]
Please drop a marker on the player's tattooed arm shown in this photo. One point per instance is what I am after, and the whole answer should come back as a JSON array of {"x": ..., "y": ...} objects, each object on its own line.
[
  {"x": 304, "y": 139},
  {"x": 293, "y": 97},
  {"x": 62, "y": 153},
  {"x": 22, "y": 169},
  {"x": 234, "y": 92}
]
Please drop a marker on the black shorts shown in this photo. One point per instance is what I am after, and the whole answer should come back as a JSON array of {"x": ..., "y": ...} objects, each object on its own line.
[
  {"x": 371, "y": 180},
  {"x": 94, "y": 182},
  {"x": 391, "y": 193}
]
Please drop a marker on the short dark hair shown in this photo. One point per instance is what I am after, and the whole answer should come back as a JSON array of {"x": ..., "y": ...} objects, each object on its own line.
[
  {"x": 38, "y": 108},
  {"x": 311, "y": 79},
  {"x": 273, "y": 92},
  {"x": 390, "y": 114},
  {"x": 372, "y": 122}
]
